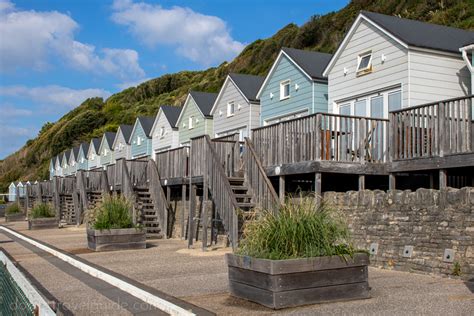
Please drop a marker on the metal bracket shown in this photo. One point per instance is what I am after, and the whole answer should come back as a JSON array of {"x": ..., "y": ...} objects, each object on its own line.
[
  {"x": 374, "y": 247},
  {"x": 448, "y": 255},
  {"x": 407, "y": 252}
]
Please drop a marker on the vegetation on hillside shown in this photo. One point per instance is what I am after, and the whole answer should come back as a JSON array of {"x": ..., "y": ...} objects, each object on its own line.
[{"x": 322, "y": 33}]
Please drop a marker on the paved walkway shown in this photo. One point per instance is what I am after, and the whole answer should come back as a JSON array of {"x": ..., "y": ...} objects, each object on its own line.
[{"x": 201, "y": 279}]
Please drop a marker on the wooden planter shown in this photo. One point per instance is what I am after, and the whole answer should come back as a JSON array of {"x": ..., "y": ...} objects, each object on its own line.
[
  {"x": 15, "y": 217},
  {"x": 284, "y": 283},
  {"x": 116, "y": 239},
  {"x": 43, "y": 223}
]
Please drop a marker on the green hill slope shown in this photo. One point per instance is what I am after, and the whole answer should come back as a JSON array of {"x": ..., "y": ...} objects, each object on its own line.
[{"x": 321, "y": 33}]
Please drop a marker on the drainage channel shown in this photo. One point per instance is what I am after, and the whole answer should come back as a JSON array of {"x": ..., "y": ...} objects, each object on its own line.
[{"x": 128, "y": 290}]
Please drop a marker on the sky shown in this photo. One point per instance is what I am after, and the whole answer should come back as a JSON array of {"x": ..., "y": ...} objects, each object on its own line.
[{"x": 55, "y": 54}]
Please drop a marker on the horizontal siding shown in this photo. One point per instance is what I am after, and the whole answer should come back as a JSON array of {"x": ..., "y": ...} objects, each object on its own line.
[
  {"x": 145, "y": 146},
  {"x": 299, "y": 100},
  {"x": 82, "y": 165},
  {"x": 125, "y": 152},
  {"x": 165, "y": 141},
  {"x": 394, "y": 71},
  {"x": 435, "y": 77},
  {"x": 200, "y": 128},
  {"x": 241, "y": 117}
]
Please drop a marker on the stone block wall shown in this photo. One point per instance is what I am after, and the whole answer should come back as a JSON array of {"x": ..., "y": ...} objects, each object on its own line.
[{"x": 412, "y": 230}]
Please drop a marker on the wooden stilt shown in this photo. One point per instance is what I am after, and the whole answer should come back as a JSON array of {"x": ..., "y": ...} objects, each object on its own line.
[
  {"x": 183, "y": 210},
  {"x": 192, "y": 210},
  {"x": 317, "y": 187},
  {"x": 361, "y": 182},
  {"x": 204, "y": 218},
  {"x": 391, "y": 181},
  {"x": 431, "y": 180},
  {"x": 282, "y": 188},
  {"x": 169, "y": 217},
  {"x": 443, "y": 179}
]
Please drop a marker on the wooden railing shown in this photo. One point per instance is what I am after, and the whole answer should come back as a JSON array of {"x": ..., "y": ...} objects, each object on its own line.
[
  {"x": 432, "y": 130},
  {"x": 137, "y": 171},
  {"x": 323, "y": 136},
  {"x": 93, "y": 180},
  {"x": 160, "y": 203},
  {"x": 264, "y": 194},
  {"x": 221, "y": 192},
  {"x": 173, "y": 163}
]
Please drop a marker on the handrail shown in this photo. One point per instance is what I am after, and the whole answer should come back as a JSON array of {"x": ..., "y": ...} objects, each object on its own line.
[
  {"x": 258, "y": 180},
  {"x": 433, "y": 103},
  {"x": 221, "y": 192},
  {"x": 159, "y": 198}
]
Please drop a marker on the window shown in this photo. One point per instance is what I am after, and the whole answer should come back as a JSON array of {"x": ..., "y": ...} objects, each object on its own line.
[
  {"x": 162, "y": 132},
  {"x": 139, "y": 140},
  {"x": 230, "y": 109},
  {"x": 360, "y": 107},
  {"x": 376, "y": 107},
  {"x": 285, "y": 89},
  {"x": 191, "y": 122},
  {"x": 364, "y": 63},
  {"x": 345, "y": 109},
  {"x": 394, "y": 100}
]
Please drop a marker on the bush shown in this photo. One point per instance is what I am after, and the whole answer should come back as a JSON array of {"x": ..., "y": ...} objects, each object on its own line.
[
  {"x": 43, "y": 210},
  {"x": 13, "y": 208},
  {"x": 113, "y": 213},
  {"x": 299, "y": 230}
]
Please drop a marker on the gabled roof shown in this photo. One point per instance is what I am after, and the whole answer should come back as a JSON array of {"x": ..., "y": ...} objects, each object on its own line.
[
  {"x": 310, "y": 63},
  {"x": 75, "y": 152},
  {"x": 248, "y": 85},
  {"x": 204, "y": 101},
  {"x": 126, "y": 132},
  {"x": 410, "y": 33},
  {"x": 147, "y": 123},
  {"x": 96, "y": 144},
  {"x": 85, "y": 148},
  {"x": 171, "y": 113},
  {"x": 66, "y": 155},
  {"x": 422, "y": 34},
  {"x": 109, "y": 138}
]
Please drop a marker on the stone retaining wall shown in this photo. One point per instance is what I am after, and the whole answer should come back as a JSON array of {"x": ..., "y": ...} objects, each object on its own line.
[{"x": 427, "y": 231}]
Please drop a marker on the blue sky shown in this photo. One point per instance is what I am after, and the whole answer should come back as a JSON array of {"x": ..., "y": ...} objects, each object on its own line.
[{"x": 55, "y": 54}]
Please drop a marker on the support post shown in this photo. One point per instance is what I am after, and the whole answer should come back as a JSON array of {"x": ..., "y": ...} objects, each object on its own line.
[
  {"x": 169, "y": 230},
  {"x": 192, "y": 210},
  {"x": 431, "y": 180},
  {"x": 183, "y": 210},
  {"x": 361, "y": 182},
  {"x": 443, "y": 179},
  {"x": 204, "y": 214},
  {"x": 27, "y": 198},
  {"x": 282, "y": 188},
  {"x": 392, "y": 181},
  {"x": 317, "y": 187}
]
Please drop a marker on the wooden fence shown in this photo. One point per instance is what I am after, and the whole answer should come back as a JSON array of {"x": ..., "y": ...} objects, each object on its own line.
[
  {"x": 430, "y": 130},
  {"x": 173, "y": 163},
  {"x": 323, "y": 136}
]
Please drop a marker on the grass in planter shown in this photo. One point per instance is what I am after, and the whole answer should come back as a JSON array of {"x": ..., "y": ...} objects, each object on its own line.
[
  {"x": 113, "y": 213},
  {"x": 299, "y": 230},
  {"x": 13, "y": 209},
  {"x": 43, "y": 210}
]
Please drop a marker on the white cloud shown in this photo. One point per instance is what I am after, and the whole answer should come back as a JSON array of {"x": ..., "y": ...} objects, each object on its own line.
[
  {"x": 9, "y": 111},
  {"x": 53, "y": 95},
  {"x": 31, "y": 39},
  {"x": 201, "y": 38}
]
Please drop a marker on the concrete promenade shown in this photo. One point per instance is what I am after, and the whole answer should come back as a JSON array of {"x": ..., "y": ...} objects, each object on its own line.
[{"x": 189, "y": 276}]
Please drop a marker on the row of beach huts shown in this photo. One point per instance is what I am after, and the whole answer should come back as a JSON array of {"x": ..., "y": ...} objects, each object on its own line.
[{"x": 389, "y": 74}]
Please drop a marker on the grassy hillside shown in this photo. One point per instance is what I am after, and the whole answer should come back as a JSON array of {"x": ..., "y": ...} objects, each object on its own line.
[{"x": 321, "y": 33}]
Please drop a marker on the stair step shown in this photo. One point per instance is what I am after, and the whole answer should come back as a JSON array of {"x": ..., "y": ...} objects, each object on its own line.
[
  {"x": 236, "y": 180},
  {"x": 238, "y": 188},
  {"x": 150, "y": 216},
  {"x": 243, "y": 196},
  {"x": 247, "y": 205}
]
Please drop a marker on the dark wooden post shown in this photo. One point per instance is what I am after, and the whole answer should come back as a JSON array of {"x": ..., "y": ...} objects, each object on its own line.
[
  {"x": 192, "y": 210},
  {"x": 17, "y": 192},
  {"x": 282, "y": 189},
  {"x": 56, "y": 198},
  {"x": 183, "y": 210},
  {"x": 205, "y": 193},
  {"x": 167, "y": 209},
  {"x": 27, "y": 198}
]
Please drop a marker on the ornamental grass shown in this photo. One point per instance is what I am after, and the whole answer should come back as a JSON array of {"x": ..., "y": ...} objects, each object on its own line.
[
  {"x": 113, "y": 213},
  {"x": 43, "y": 210}
]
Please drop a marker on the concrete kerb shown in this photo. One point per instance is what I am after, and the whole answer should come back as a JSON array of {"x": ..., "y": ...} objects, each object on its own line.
[{"x": 149, "y": 298}]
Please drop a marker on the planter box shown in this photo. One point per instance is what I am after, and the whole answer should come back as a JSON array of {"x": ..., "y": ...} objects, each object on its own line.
[
  {"x": 116, "y": 239},
  {"x": 284, "y": 283},
  {"x": 15, "y": 217},
  {"x": 43, "y": 223},
  {"x": 3, "y": 208}
]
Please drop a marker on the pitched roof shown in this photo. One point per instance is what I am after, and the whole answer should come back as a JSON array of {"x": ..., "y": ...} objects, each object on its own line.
[
  {"x": 126, "y": 132},
  {"x": 147, "y": 123},
  {"x": 75, "y": 151},
  {"x": 204, "y": 101},
  {"x": 85, "y": 148},
  {"x": 67, "y": 154},
  {"x": 248, "y": 84},
  {"x": 313, "y": 63},
  {"x": 171, "y": 113},
  {"x": 422, "y": 34},
  {"x": 96, "y": 142},
  {"x": 109, "y": 137}
]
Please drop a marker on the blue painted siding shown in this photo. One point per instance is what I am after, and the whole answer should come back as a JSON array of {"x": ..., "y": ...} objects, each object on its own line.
[
  {"x": 82, "y": 162},
  {"x": 106, "y": 154},
  {"x": 12, "y": 192},
  {"x": 299, "y": 100},
  {"x": 142, "y": 149},
  {"x": 51, "y": 170}
]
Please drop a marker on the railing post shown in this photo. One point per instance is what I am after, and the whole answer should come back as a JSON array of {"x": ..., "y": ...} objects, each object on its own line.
[
  {"x": 318, "y": 131},
  {"x": 392, "y": 137},
  {"x": 442, "y": 130}
]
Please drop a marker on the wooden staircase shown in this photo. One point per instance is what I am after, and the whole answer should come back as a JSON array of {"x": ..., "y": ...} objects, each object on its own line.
[
  {"x": 148, "y": 215},
  {"x": 94, "y": 198},
  {"x": 67, "y": 214},
  {"x": 244, "y": 199}
]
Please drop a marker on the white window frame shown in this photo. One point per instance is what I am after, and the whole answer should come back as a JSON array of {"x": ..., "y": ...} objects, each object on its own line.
[
  {"x": 230, "y": 105},
  {"x": 139, "y": 141},
  {"x": 282, "y": 89},
  {"x": 162, "y": 132},
  {"x": 368, "y": 98},
  {"x": 367, "y": 69},
  {"x": 191, "y": 122}
]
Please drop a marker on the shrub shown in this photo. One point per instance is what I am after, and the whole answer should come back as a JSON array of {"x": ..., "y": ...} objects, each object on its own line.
[
  {"x": 43, "y": 210},
  {"x": 113, "y": 213},
  {"x": 13, "y": 209},
  {"x": 299, "y": 230}
]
